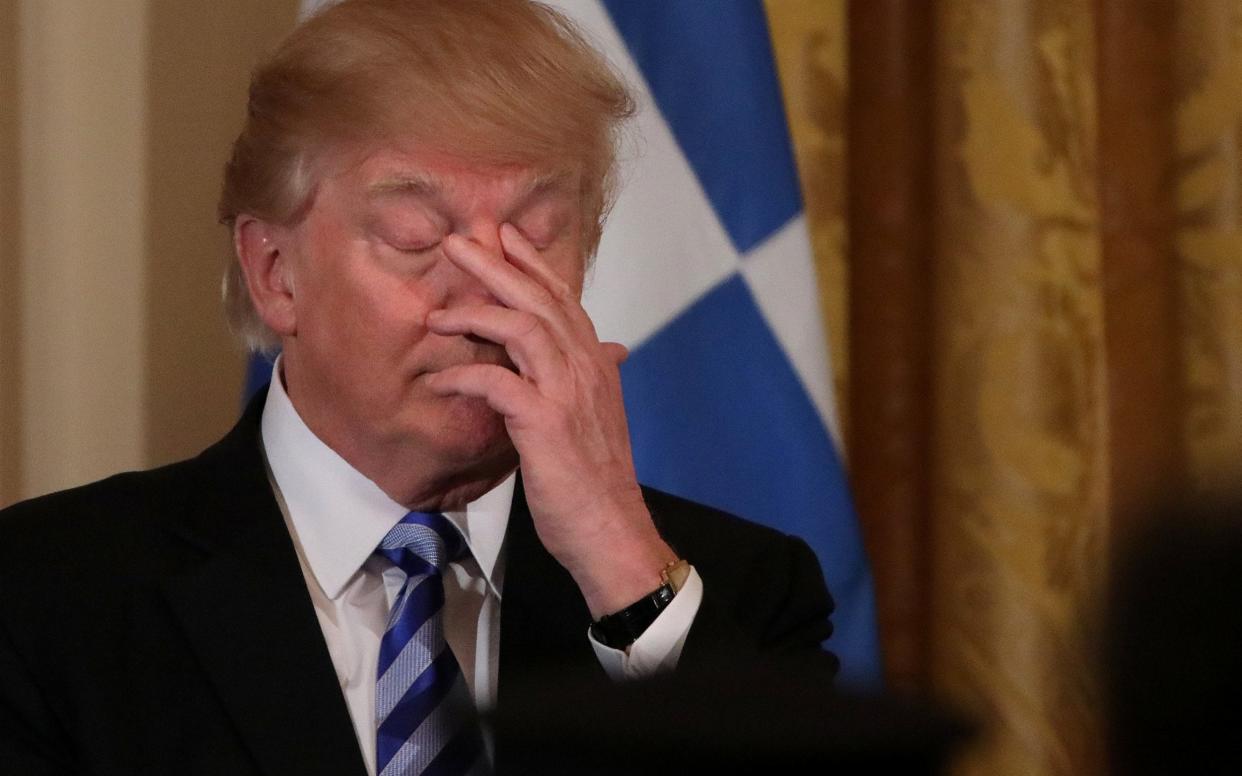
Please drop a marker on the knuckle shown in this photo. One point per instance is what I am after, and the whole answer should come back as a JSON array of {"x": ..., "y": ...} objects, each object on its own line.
[
  {"x": 589, "y": 378},
  {"x": 543, "y": 298},
  {"x": 526, "y": 324},
  {"x": 492, "y": 377},
  {"x": 559, "y": 288}
]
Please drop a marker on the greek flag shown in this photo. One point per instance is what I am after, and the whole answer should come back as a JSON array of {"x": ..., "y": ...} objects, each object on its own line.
[{"x": 705, "y": 273}]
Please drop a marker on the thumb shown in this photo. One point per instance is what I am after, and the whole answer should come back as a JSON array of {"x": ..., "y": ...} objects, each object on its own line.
[{"x": 616, "y": 351}]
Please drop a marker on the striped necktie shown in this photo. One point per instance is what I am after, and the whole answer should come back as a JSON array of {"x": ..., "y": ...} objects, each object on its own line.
[{"x": 425, "y": 719}]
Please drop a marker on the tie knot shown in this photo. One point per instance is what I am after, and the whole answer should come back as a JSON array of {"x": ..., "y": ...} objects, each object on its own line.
[{"x": 422, "y": 543}]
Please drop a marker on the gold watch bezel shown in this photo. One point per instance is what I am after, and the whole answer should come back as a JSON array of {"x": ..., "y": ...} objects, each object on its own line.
[{"x": 675, "y": 574}]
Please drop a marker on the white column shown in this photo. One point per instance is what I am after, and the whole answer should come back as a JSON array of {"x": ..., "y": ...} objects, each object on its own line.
[{"x": 83, "y": 197}]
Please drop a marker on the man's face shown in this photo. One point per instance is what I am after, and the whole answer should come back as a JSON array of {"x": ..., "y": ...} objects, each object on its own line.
[{"x": 366, "y": 267}]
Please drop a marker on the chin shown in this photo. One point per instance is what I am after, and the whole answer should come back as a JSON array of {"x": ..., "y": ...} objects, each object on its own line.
[{"x": 473, "y": 430}]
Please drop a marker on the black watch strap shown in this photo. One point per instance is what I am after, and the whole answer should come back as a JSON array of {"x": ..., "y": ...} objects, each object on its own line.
[{"x": 621, "y": 629}]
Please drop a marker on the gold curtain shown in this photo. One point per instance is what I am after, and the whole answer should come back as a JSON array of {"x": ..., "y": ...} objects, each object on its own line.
[
  {"x": 1019, "y": 433},
  {"x": 1208, "y": 118},
  {"x": 1028, "y": 223},
  {"x": 809, "y": 40}
]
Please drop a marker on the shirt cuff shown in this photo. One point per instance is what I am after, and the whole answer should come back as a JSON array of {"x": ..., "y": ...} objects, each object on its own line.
[{"x": 659, "y": 648}]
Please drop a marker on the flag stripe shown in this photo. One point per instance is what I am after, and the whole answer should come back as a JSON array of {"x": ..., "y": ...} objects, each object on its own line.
[
  {"x": 780, "y": 273},
  {"x": 719, "y": 416},
  {"x": 713, "y": 77}
]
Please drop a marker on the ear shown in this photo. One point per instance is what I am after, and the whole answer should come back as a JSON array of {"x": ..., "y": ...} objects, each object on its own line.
[{"x": 263, "y": 250}]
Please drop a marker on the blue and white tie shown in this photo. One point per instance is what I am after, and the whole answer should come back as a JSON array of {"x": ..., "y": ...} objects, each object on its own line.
[{"x": 424, "y": 716}]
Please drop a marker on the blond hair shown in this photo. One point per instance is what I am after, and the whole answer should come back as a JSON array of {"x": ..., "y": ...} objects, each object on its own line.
[{"x": 494, "y": 81}]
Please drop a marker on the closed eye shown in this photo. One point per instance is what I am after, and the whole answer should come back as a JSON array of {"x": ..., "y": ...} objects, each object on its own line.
[
  {"x": 545, "y": 221},
  {"x": 539, "y": 244},
  {"x": 542, "y": 234},
  {"x": 418, "y": 250}
]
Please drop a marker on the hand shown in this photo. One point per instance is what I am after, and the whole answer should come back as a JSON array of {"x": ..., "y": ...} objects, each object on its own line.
[{"x": 564, "y": 414}]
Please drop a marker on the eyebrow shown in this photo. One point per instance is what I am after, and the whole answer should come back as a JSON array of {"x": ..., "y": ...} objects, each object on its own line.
[
  {"x": 545, "y": 183},
  {"x": 415, "y": 184},
  {"x": 419, "y": 185}
]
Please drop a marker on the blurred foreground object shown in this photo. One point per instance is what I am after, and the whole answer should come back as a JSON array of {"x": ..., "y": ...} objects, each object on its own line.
[
  {"x": 776, "y": 717},
  {"x": 1173, "y": 658}
]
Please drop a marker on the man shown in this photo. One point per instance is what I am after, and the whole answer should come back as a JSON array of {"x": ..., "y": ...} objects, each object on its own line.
[{"x": 413, "y": 199}]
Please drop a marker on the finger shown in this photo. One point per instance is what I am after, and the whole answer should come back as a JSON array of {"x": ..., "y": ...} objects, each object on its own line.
[
  {"x": 526, "y": 257},
  {"x": 523, "y": 335},
  {"x": 503, "y": 391},
  {"x": 616, "y": 352},
  {"x": 505, "y": 281}
]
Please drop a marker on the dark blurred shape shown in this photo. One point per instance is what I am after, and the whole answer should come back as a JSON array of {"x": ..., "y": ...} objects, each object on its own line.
[
  {"x": 777, "y": 717},
  {"x": 1173, "y": 650}
]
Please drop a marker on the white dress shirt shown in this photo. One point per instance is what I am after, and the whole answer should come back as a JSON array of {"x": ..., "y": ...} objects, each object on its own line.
[{"x": 337, "y": 517}]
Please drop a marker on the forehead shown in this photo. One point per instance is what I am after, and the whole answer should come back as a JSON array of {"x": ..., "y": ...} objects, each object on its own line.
[{"x": 443, "y": 176}]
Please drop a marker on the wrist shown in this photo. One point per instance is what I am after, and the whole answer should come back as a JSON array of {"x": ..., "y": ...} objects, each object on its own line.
[
  {"x": 621, "y": 629},
  {"x": 622, "y": 573}
]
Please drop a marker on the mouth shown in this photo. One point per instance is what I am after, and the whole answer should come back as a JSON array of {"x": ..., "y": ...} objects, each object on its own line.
[{"x": 476, "y": 351}]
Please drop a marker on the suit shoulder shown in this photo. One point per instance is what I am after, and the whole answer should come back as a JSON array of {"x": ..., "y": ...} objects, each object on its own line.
[
  {"x": 676, "y": 516},
  {"x": 92, "y": 516},
  {"x": 722, "y": 542},
  {"x": 126, "y": 513},
  {"x": 770, "y": 582}
]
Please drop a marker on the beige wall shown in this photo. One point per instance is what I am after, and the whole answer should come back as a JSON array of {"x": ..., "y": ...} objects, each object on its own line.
[
  {"x": 82, "y": 133},
  {"x": 10, "y": 382},
  {"x": 113, "y": 352},
  {"x": 199, "y": 61}
]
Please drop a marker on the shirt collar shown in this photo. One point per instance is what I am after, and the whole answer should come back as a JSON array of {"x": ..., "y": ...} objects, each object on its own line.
[{"x": 340, "y": 516}]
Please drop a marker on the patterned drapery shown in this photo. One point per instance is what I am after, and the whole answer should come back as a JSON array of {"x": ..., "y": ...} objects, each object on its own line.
[{"x": 1028, "y": 216}]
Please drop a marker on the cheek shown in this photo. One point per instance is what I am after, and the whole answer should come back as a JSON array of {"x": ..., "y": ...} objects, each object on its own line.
[{"x": 356, "y": 308}]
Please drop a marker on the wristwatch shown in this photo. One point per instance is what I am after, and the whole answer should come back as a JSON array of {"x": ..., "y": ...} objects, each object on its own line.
[{"x": 621, "y": 629}]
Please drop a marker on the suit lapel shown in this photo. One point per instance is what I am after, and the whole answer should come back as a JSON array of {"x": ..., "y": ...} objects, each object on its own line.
[
  {"x": 543, "y": 619},
  {"x": 249, "y": 618},
  {"x": 250, "y": 621}
]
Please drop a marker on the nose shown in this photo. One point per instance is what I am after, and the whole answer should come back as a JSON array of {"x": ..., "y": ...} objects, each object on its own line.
[
  {"x": 484, "y": 232},
  {"x": 462, "y": 288}
]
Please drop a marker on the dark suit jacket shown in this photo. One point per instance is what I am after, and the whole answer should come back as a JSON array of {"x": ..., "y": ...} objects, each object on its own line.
[{"x": 158, "y": 622}]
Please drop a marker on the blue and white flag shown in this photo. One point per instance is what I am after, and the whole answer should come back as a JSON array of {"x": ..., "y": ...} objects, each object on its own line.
[{"x": 705, "y": 272}]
